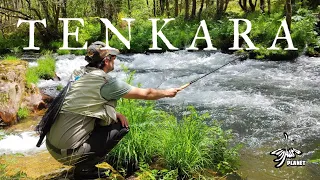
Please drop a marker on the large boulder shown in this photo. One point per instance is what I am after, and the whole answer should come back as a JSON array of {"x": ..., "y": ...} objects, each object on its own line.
[
  {"x": 12, "y": 88},
  {"x": 14, "y": 93}
]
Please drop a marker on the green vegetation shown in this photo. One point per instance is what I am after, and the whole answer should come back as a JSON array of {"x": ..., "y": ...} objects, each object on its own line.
[
  {"x": 45, "y": 70},
  {"x": 46, "y": 67},
  {"x": 59, "y": 87},
  {"x": 18, "y": 174},
  {"x": 23, "y": 113},
  {"x": 265, "y": 16},
  {"x": 186, "y": 146},
  {"x": 316, "y": 157},
  {"x": 10, "y": 58},
  {"x": 31, "y": 76}
]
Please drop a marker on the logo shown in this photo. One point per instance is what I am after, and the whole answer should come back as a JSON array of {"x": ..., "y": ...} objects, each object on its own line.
[{"x": 286, "y": 154}]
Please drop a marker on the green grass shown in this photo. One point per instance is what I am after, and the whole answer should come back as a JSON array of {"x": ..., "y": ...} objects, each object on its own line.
[
  {"x": 11, "y": 58},
  {"x": 23, "y": 113},
  {"x": 188, "y": 145},
  {"x": 63, "y": 51},
  {"x": 46, "y": 67},
  {"x": 59, "y": 87},
  {"x": 32, "y": 76},
  {"x": 45, "y": 70}
]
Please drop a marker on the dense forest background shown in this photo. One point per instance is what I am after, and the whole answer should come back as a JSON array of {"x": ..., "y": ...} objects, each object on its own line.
[{"x": 265, "y": 15}]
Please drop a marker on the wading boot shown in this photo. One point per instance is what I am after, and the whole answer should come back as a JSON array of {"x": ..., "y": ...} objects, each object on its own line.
[{"x": 89, "y": 173}]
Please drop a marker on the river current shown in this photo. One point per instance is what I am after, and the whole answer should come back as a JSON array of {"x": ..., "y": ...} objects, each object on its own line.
[{"x": 258, "y": 100}]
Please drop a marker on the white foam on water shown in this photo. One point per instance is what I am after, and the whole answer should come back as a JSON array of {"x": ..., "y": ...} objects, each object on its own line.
[{"x": 24, "y": 143}]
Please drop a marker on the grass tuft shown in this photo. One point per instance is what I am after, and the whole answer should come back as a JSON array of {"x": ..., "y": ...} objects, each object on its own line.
[{"x": 23, "y": 113}]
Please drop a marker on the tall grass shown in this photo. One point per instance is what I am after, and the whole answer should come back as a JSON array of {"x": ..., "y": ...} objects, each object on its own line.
[
  {"x": 46, "y": 67},
  {"x": 188, "y": 145},
  {"x": 45, "y": 70},
  {"x": 23, "y": 112}
]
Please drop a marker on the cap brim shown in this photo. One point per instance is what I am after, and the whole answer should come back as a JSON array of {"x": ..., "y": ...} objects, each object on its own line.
[{"x": 113, "y": 51}]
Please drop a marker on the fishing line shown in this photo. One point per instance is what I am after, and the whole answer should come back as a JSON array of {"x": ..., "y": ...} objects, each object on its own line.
[{"x": 197, "y": 79}]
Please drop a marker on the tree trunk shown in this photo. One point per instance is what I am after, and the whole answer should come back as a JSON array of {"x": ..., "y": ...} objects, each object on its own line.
[
  {"x": 288, "y": 13},
  {"x": 129, "y": 7},
  {"x": 252, "y": 6},
  {"x": 162, "y": 6},
  {"x": 194, "y": 7},
  {"x": 262, "y": 4},
  {"x": 176, "y": 8},
  {"x": 243, "y": 5},
  {"x": 186, "y": 17},
  {"x": 226, "y": 5},
  {"x": 64, "y": 9},
  {"x": 200, "y": 10},
  {"x": 269, "y": 6},
  {"x": 154, "y": 8},
  {"x": 167, "y": 8},
  {"x": 220, "y": 8}
]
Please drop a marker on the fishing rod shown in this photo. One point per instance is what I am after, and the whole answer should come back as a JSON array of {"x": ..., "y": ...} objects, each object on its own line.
[{"x": 197, "y": 79}]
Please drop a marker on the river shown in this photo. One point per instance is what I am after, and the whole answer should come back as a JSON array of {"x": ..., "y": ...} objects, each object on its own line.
[{"x": 258, "y": 100}]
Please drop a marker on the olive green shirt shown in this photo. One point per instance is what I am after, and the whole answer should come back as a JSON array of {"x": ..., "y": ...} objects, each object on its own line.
[{"x": 70, "y": 130}]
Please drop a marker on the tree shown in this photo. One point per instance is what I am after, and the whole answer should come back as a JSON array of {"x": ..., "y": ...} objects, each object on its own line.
[
  {"x": 262, "y": 4},
  {"x": 244, "y": 7},
  {"x": 50, "y": 10},
  {"x": 176, "y": 8},
  {"x": 288, "y": 13},
  {"x": 154, "y": 8},
  {"x": 167, "y": 8},
  {"x": 187, "y": 10},
  {"x": 222, "y": 6},
  {"x": 194, "y": 8},
  {"x": 200, "y": 10}
]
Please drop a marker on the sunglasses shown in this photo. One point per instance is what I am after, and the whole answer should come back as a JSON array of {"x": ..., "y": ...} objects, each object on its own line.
[{"x": 109, "y": 57}]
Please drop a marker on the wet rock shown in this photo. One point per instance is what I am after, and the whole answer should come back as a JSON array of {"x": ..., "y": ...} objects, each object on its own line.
[
  {"x": 56, "y": 77},
  {"x": 46, "y": 98},
  {"x": 12, "y": 88},
  {"x": 43, "y": 166},
  {"x": 33, "y": 99}
]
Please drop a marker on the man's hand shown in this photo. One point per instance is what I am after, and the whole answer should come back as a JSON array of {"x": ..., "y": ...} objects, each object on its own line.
[
  {"x": 123, "y": 120},
  {"x": 172, "y": 92}
]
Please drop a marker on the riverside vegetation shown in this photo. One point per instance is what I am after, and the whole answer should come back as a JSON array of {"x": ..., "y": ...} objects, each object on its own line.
[{"x": 302, "y": 18}]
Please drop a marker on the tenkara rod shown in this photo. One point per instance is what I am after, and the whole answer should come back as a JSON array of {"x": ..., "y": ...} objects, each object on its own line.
[{"x": 195, "y": 80}]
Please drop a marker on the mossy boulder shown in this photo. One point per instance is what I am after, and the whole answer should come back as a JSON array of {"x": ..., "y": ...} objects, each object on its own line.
[
  {"x": 13, "y": 91},
  {"x": 12, "y": 88}
]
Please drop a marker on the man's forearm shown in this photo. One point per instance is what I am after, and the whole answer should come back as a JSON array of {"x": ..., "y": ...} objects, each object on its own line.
[{"x": 154, "y": 94}]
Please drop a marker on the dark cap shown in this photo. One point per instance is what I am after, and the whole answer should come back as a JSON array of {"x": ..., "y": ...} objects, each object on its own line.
[{"x": 96, "y": 53}]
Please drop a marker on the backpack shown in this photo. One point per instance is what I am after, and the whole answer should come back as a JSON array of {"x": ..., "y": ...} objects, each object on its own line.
[{"x": 51, "y": 114}]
